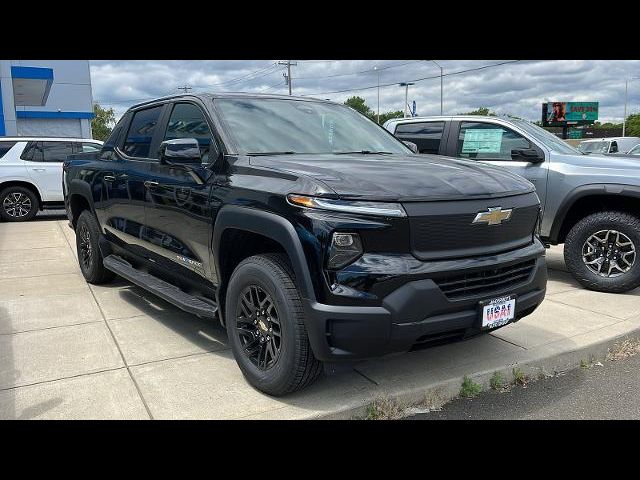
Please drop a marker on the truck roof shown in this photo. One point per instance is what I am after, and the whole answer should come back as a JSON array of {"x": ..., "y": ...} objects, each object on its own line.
[
  {"x": 32, "y": 138},
  {"x": 210, "y": 96}
]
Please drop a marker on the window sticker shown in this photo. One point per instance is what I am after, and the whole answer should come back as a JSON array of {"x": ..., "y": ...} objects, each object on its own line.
[{"x": 482, "y": 140}]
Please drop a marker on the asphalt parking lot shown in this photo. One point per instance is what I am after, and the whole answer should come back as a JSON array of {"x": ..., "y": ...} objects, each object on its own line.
[{"x": 71, "y": 350}]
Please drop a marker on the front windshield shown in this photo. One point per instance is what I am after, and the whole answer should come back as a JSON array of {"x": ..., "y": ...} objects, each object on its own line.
[
  {"x": 549, "y": 140},
  {"x": 635, "y": 150},
  {"x": 594, "y": 147},
  {"x": 274, "y": 125}
]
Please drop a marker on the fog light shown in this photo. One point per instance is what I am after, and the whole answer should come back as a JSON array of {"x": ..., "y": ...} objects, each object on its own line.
[{"x": 344, "y": 249}]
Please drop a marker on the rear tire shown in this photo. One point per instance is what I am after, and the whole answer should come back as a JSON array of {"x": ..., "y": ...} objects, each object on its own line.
[
  {"x": 18, "y": 204},
  {"x": 265, "y": 324},
  {"x": 89, "y": 254},
  {"x": 592, "y": 230}
]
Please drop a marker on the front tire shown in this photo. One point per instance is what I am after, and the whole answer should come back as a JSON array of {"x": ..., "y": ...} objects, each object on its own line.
[
  {"x": 601, "y": 251},
  {"x": 18, "y": 204},
  {"x": 89, "y": 255},
  {"x": 265, "y": 325}
]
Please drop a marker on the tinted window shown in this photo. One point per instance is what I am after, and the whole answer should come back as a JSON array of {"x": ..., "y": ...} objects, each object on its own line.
[
  {"x": 267, "y": 125},
  {"x": 485, "y": 141},
  {"x": 90, "y": 147},
  {"x": 426, "y": 135},
  {"x": 188, "y": 121},
  {"x": 5, "y": 147},
  {"x": 614, "y": 147},
  {"x": 140, "y": 133},
  {"x": 30, "y": 151},
  {"x": 55, "y": 151}
]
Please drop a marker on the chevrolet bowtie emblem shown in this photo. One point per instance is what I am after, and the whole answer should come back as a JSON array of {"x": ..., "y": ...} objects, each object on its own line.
[{"x": 495, "y": 216}]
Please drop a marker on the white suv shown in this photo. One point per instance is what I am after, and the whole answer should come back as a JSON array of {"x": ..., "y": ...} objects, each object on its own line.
[{"x": 31, "y": 173}]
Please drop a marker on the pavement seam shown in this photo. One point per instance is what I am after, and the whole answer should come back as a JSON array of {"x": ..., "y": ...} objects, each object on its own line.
[
  {"x": 179, "y": 357},
  {"x": 507, "y": 341},
  {"x": 51, "y": 328},
  {"x": 366, "y": 377},
  {"x": 586, "y": 309},
  {"x": 104, "y": 319},
  {"x": 84, "y": 374}
]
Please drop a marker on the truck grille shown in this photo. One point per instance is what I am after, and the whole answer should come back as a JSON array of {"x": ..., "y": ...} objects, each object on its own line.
[
  {"x": 443, "y": 230},
  {"x": 485, "y": 282}
]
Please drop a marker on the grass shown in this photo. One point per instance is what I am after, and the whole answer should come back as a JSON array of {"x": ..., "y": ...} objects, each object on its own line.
[
  {"x": 497, "y": 381},
  {"x": 519, "y": 378},
  {"x": 625, "y": 349},
  {"x": 469, "y": 388},
  {"x": 383, "y": 409}
]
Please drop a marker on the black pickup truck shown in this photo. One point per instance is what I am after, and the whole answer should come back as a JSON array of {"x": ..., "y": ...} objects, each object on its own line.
[{"x": 311, "y": 233}]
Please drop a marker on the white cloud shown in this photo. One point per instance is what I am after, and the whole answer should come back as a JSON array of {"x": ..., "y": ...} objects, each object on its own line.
[{"x": 517, "y": 88}]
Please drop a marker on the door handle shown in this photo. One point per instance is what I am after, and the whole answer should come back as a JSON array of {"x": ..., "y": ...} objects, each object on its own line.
[
  {"x": 109, "y": 178},
  {"x": 39, "y": 169},
  {"x": 150, "y": 184}
]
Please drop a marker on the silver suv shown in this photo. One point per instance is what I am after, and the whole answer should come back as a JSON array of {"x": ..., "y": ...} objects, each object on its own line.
[{"x": 591, "y": 203}]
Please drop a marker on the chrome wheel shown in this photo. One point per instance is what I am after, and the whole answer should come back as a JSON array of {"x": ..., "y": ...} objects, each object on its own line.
[
  {"x": 609, "y": 253},
  {"x": 85, "y": 250},
  {"x": 17, "y": 205},
  {"x": 258, "y": 327}
]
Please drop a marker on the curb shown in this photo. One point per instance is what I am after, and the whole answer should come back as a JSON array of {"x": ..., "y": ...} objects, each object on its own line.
[{"x": 532, "y": 367}]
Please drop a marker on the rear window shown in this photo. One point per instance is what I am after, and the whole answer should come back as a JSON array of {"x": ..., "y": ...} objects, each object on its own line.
[
  {"x": 143, "y": 124},
  {"x": 426, "y": 135},
  {"x": 5, "y": 147}
]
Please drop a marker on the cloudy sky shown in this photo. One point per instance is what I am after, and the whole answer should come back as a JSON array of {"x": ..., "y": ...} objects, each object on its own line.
[{"x": 517, "y": 87}]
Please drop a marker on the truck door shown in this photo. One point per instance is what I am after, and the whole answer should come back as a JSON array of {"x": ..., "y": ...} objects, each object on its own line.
[
  {"x": 499, "y": 145},
  {"x": 178, "y": 216}
]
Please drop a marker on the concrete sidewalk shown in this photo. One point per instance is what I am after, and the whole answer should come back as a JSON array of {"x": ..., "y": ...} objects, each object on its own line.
[{"x": 70, "y": 350}]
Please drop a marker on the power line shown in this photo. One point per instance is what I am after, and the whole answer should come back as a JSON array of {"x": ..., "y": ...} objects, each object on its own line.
[
  {"x": 415, "y": 80},
  {"x": 358, "y": 73}
]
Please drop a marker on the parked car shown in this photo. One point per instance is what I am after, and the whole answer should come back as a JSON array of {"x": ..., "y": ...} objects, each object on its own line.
[
  {"x": 309, "y": 231},
  {"x": 608, "y": 145},
  {"x": 31, "y": 173},
  {"x": 591, "y": 203}
]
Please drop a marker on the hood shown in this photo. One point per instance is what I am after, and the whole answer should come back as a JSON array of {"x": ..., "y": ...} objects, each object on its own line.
[
  {"x": 400, "y": 177},
  {"x": 607, "y": 162}
]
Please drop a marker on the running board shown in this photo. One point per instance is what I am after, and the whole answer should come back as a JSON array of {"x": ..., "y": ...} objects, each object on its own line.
[{"x": 162, "y": 289}]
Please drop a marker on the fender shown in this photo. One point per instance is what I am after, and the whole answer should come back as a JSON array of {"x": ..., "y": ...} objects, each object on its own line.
[
  {"x": 269, "y": 225},
  {"x": 82, "y": 188},
  {"x": 22, "y": 179},
  {"x": 586, "y": 191}
]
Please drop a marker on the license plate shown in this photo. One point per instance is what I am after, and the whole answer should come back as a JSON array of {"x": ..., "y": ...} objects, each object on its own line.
[{"x": 498, "y": 312}]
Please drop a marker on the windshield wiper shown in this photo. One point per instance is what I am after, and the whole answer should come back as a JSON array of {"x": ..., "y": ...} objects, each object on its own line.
[
  {"x": 256, "y": 154},
  {"x": 364, "y": 152}
]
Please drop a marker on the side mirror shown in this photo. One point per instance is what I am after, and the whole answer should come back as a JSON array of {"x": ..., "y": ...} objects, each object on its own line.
[
  {"x": 180, "y": 151},
  {"x": 530, "y": 155},
  {"x": 411, "y": 145}
]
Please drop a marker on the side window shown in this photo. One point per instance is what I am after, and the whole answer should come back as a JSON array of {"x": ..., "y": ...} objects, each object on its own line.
[
  {"x": 614, "y": 147},
  {"x": 486, "y": 141},
  {"x": 32, "y": 152},
  {"x": 143, "y": 124},
  {"x": 5, "y": 147},
  {"x": 426, "y": 135},
  {"x": 188, "y": 121},
  {"x": 56, "y": 151},
  {"x": 90, "y": 147}
]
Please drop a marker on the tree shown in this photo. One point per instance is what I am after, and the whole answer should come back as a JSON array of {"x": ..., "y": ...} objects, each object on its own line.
[
  {"x": 359, "y": 104},
  {"x": 102, "y": 123},
  {"x": 389, "y": 115},
  {"x": 480, "y": 111},
  {"x": 632, "y": 128}
]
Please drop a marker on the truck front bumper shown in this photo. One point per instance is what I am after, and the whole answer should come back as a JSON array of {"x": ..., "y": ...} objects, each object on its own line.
[{"x": 419, "y": 311}]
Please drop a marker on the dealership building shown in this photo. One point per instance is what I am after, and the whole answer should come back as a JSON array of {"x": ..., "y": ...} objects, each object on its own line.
[{"x": 45, "y": 98}]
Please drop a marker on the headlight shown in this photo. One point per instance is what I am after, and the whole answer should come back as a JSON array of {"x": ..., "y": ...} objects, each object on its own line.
[
  {"x": 344, "y": 249},
  {"x": 385, "y": 209}
]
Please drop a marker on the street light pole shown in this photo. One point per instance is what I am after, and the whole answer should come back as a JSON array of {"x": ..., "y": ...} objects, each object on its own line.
[
  {"x": 376, "y": 69},
  {"x": 441, "y": 85},
  {"x": 626, "y": 94},
  {"x": 406, "y": 98}
]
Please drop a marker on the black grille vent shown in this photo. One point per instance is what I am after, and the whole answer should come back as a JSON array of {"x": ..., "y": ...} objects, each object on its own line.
[{"x": 485, "y": 282}]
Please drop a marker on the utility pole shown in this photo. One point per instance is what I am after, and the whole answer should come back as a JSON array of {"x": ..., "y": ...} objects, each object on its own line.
[
  {"x": 441, "y": 85},
  {"x": 406, "y": 98},
  {"x": 185, "y": 88},
  {"x": 287, "y": 76}
]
